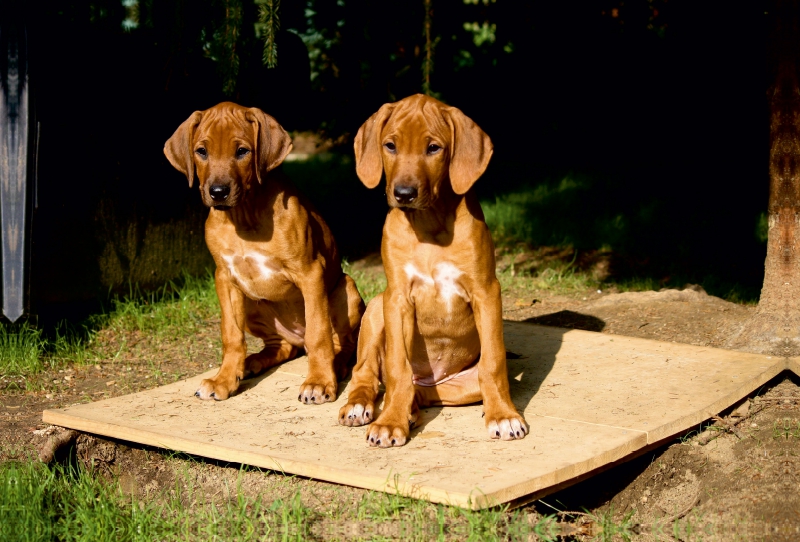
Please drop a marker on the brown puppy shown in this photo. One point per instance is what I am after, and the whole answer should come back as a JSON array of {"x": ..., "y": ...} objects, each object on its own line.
[
  {"x": 278, "y": 272},
  {"x": 435, "y": 335}
]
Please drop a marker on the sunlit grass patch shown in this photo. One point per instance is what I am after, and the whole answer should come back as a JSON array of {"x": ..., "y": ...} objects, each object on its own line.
[
  {"x": 560, "y": 213},
  {"x": 369, "y": 281},
  {"x": 21, "y": 350},
  {"x": 40, "y": 502},
  {"x": 553, "y": 269},
  {"x": 178, "y": 309},
  {"x": 175, "y": 308},
  {"x": 554, "y": 277}
]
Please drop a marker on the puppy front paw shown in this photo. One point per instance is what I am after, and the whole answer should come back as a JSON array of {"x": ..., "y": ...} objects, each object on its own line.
[
  {"x": 216, "y": 388},
  {"x": 315, "y": 391},
  {"x": 358, "y": 411},
  {"x": 385, "y": 433},
  {"x": 511, "y": 427}
]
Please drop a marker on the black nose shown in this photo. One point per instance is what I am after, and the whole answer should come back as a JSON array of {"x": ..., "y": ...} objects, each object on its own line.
[
  {"x": 219, "y": 192},
  {"x": 405, "y": 194}
]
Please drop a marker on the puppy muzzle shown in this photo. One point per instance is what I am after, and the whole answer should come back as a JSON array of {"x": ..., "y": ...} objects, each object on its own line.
[
  {"x": 221, "y": 196},
  {"x": 219, "y": 193}
]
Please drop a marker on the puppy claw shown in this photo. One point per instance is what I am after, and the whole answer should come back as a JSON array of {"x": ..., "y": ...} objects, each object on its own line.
[
  {"x": 507, "y": 428},
  {"x": 386, "y": 436},
  {"x": 355, "y": 414},
  {"x": 312, "y": 393},
  {"x": 217, "y": 389}
]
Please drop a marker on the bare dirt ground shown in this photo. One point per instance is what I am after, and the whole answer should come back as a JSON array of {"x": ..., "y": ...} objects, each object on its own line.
[{"x": 737, "y": 479}]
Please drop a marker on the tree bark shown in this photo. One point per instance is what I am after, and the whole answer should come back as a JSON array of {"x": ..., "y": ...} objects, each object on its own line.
[{"x": 775, "y": 327}]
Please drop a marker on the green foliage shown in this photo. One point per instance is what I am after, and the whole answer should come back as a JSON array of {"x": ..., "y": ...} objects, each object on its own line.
[
  {"x": 610, "y": 529},
  {"x": 370, "y": 282},
  {"x": 21, "y": 349},
  {"x": 176, "y": 308},
  {"x": 41, "y": 502},
  {"x": 267, "y": 27},
  {"x": 223, "y": 45},
  {"x": 762, "y": 228},
  {"x": 38, "y": 502},
  {"x": 556, "y": 275},
  {"x": 550, "y": 214},
  {"x": 786, "y": 429}
]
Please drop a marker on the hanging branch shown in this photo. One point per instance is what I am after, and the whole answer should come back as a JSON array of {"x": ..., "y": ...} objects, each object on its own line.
[
  {"x": 146, "y": 13},
  {"x": 228, "y": 37},
  {"x": 427, "y": 63},
  {"x": 269, "y": 25}
]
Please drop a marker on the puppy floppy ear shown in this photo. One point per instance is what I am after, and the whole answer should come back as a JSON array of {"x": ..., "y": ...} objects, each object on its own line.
[
  {"x": 471, "y": 150},
  {"x": 178, "y": 148},
  {"x": 272, "y": 141},
  {"x": 367, "y": 146}
]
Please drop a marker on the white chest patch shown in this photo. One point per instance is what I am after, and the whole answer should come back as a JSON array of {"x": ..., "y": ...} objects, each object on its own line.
[
  {"x": 250, "y": 269},
  {"x": 414, "y": 273},
  {"x": 445, "y": 279}
]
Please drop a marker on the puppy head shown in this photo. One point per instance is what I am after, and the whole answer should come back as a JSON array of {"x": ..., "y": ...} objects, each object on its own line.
[
  {"x": 230, "y": 148},
  {"x": 422, "y": 145}
]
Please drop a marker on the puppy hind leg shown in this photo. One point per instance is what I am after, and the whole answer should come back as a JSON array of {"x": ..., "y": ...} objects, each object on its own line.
[
  {"x": 343, "y": 349},
  {"x": 462, "y": 389},
  {"x": 260, "y": 323},
  {"x": 276, "y": 350},
  {"x": 347, "y": 309}
]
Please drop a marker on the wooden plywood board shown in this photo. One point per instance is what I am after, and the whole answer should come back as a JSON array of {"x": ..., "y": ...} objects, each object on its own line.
[
  {"x": 656, "y": 387},
  {"x": 590, "y": 399}
]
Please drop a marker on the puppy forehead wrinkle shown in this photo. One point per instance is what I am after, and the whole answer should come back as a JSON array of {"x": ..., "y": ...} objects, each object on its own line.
[
  {"x": 218, "y": 118},
  {"x": 418, "y": 123}
]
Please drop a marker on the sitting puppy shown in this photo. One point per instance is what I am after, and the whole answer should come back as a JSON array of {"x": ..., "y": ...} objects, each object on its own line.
[
  {"x": 435, "y": 335},
  {"x": 278, "y": 272}
]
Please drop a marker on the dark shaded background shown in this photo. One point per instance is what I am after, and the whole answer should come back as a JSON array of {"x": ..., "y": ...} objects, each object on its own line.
[{"x": 662, "y": 107}]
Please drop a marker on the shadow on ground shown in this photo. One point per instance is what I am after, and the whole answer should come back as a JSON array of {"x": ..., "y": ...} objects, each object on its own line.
[{"x": 568, "y": 319}]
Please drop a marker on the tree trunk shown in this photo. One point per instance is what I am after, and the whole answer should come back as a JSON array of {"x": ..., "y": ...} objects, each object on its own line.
[{"x": 775, "y": 328}]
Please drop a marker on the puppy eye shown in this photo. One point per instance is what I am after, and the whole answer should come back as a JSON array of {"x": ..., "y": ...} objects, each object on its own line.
[
  {"x": 390, "y": 146},
  {"x": 433, "y": 148},
  {"x": 241, "y": 151},
  {"x": 202, "y": 152}
]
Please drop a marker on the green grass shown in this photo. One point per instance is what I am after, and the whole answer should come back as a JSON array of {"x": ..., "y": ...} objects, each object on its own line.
[
  {"x": 555, "y": 278},
  {"x": 652, "y": 243},
  {"x": 21, "y": 349},
  {"x": 38, "y": 502},
  {"x": 369, "y": 282},
  {"x": 556, "y": 214},
  {"x": 178, "y": 309},
  {"x": 66, "y": 503},
  {"x": 786, "y": 428}
]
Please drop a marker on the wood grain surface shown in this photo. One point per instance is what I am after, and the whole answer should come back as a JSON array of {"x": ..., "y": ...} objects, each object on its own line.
[{"x": 591, "y": 399}]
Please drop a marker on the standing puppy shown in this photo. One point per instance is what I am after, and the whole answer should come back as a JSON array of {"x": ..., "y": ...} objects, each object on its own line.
[
  {"x": 435, "y": 335},
  {"x": 278, "y": 271}
]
